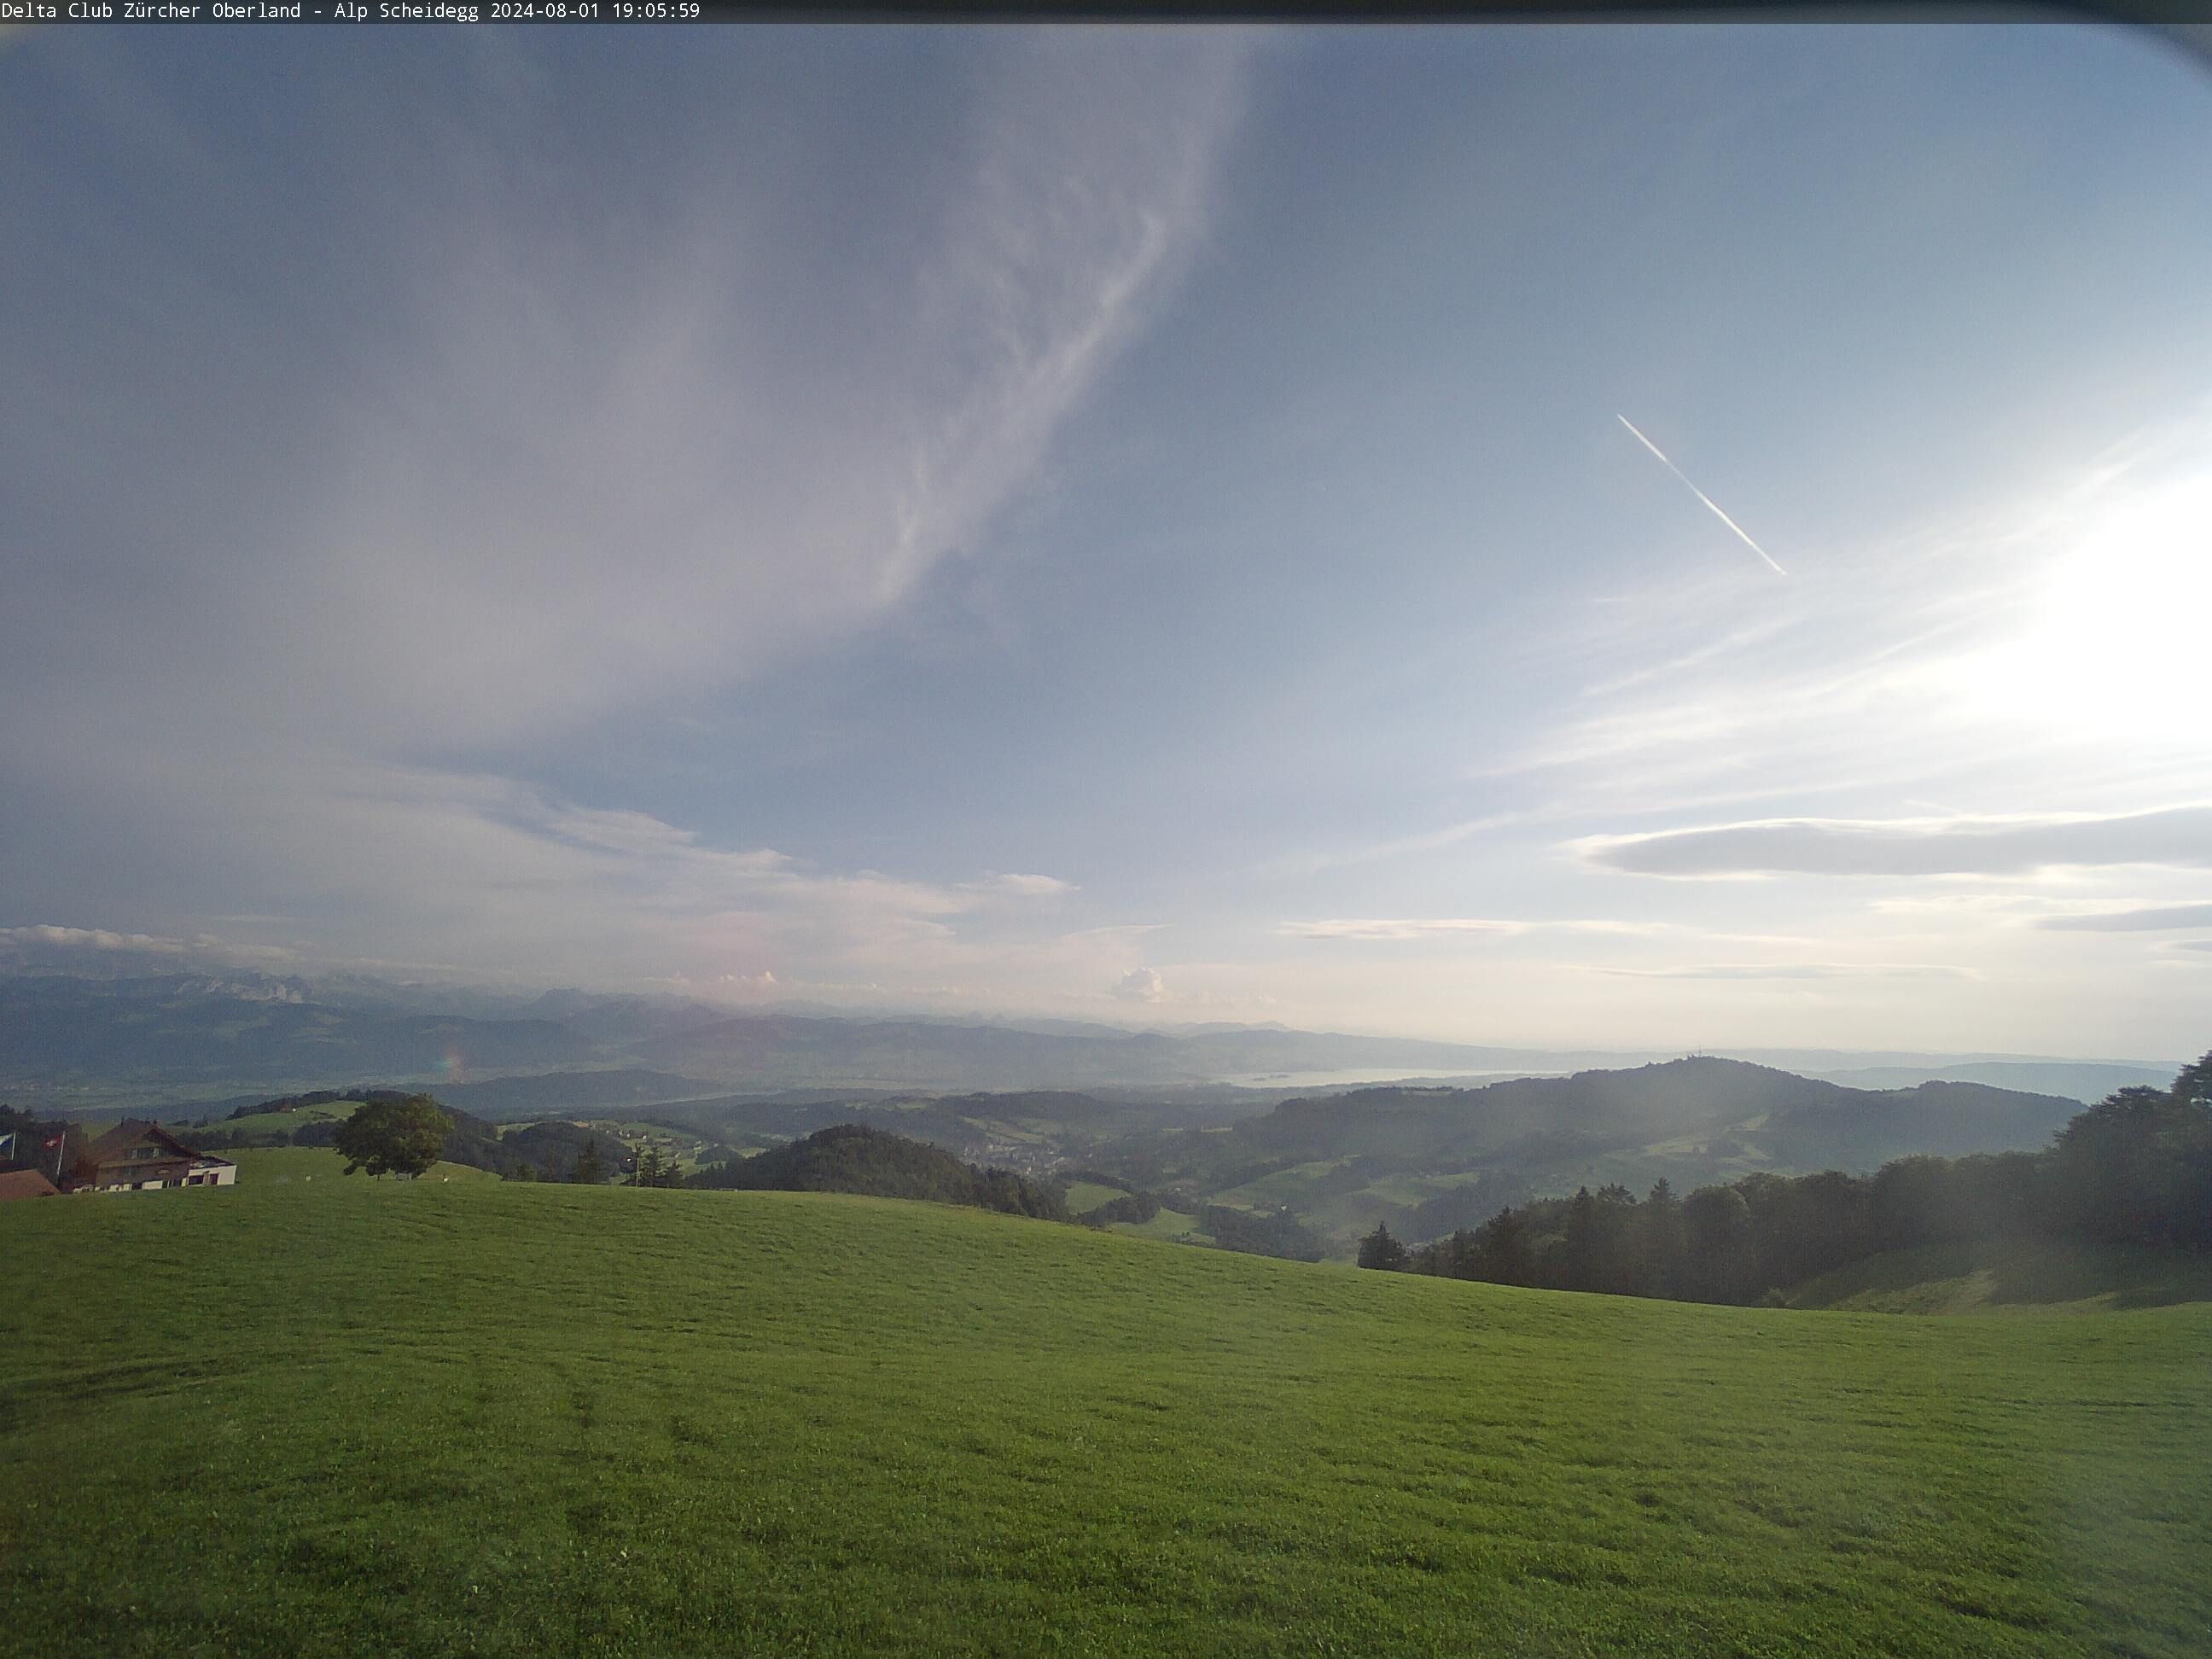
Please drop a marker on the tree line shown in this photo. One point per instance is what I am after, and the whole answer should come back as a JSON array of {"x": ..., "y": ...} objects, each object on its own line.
[
  {"x": 850, "y": 1157},
  {"x": 2136, "y": 1169}
]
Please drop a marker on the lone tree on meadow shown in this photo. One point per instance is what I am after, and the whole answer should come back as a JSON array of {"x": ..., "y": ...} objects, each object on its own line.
[
  {"x": 1380, "y": 1249},
  {"x": 394, "y": 1137}
]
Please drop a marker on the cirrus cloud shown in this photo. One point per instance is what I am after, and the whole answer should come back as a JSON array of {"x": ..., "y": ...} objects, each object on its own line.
[
  {"x": 2149, "y": 920},
  {"x": 1787, "y": 970},
  {"x": 2177, "y": 836},
  {"x": 1018, "y": 886},
  {"x": 1375, "y": 927}
]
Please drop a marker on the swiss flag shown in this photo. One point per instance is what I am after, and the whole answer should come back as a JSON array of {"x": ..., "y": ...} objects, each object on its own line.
[{"x": 54, "y": 1145}]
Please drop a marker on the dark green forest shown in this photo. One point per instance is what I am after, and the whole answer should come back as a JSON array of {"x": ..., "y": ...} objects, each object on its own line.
[
  {"x": 2134, "y": 1170},
  {"x": 850, "y": 1158}
]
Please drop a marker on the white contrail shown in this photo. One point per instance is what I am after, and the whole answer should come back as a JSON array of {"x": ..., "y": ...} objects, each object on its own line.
[{"x": 1701, "y": 495}]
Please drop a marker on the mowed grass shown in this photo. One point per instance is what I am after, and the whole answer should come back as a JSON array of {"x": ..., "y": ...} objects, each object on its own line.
[{"x": 438, "y": 1419}]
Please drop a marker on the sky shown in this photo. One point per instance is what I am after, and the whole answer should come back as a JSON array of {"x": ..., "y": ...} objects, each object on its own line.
[{"x": 1134, "y": 525}]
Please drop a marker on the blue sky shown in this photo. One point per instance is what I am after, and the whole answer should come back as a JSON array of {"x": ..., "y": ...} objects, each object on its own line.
[{"x": 1127, "y": 524}]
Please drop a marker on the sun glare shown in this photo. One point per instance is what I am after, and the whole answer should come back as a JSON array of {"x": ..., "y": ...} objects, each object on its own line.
[{"x": 2113, "y": 647}]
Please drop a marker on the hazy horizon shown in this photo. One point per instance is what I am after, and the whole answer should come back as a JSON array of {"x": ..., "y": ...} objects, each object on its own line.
[{"x": 1126, "y": 525}]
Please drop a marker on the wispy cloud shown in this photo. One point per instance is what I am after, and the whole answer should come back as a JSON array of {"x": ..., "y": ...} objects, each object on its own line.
[
  {"x": 562, "y": 463},
  {"x": 52, "y": 947},
  {"x": 92, "y": 938},
  {"x": 1869, "y": 675},
  {"x": 2177, "y": 836},
  {"x": 498, "y": 465},
  {"x": 1793, "y": 971},
  {"x": 1401, "y": 928},
  {"x": 1017, "y": 886},
  {"x": 1426, "y": 841},
  {"x": 2127, "y": 921}
]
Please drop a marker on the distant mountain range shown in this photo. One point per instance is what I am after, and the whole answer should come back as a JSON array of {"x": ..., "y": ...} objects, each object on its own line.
[
  {"x": 1426, "y": 1159},
  {"x": 1773, "y": 1116},
  {"x": 179, "y": 1037}
]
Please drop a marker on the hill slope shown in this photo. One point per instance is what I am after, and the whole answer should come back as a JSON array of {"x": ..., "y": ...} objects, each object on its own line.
[
  {"x": 1805, "y": 1123},
  {"x": 2009, "y": 1275},
  {"x": 848, "y": 1157},
  {"x": 1425, "y": 1160},
  {"x": 499, "y": 1420}
]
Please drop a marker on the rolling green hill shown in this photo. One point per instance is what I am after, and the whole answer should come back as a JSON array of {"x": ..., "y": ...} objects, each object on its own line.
[
  {"x": 1428, "y": 1159},
  {"x": 492, "y": 1419},
  {"x": 1083, "y": 1195},
  {"x": 275, "y": 1125},
  {"x": 850, "y": 1158},
  {"x": 268, "y": 1165}
]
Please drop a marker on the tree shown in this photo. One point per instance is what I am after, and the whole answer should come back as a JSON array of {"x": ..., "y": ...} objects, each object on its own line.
[
  {"x": 2136, "y": 1167},
  {"x": 1379, "y": 1249},
  {"x": 1579, "y": 1246},
  {"x": 394, "y": 1136},
  {"x": 1718, "y": 1223},
  {"x": 590, "y": 1170},
  {"x": 2194, "y": 1086},
  {"x": 1503, "y": 1252},
  {"x": 1598, "y": 1250},
  {"x": 1663, "y": 1240}
]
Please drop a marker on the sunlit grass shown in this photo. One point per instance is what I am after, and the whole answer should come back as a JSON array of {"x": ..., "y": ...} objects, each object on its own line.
[
  {"x": 434, "y": 1418},
  {"x": 1083, "y": 1196}
]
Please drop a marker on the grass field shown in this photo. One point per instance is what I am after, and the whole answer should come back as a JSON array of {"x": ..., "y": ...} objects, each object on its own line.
[
  {"x": 444, "y": 1419},
  {"x": 1083, "y": 1196},
  {"x": 274, "y": 1123},
  {"x": 267, "y": 1165},
  {"x": 1169, "y": 1224},
  {"x": 2010, "y": 1278}
]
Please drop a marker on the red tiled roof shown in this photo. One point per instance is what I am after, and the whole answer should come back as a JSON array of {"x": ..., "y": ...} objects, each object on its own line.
[{"x": 25, "y": 1184}]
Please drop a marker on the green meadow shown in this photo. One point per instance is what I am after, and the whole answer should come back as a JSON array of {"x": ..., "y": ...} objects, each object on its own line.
[
  {"x": 488, "y": 1418},
  {"x": 2011, "y": 1276},
  {"x": 270, "y": 1166},
  {"x": 1172, "y": 1225},
  {"x": 1083, "y": 1196},
  {"x": 277, "y": 1124}
]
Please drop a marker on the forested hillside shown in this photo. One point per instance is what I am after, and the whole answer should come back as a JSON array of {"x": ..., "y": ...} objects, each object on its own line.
[
  {"x": 1428, "y": 1160},
  {"x": 2133, "y": 1171},
  {"x": 851, "y": 1158}
]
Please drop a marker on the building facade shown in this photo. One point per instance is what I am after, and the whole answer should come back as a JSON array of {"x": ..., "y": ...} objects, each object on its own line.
[{"x": 137, "y": 1156}]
